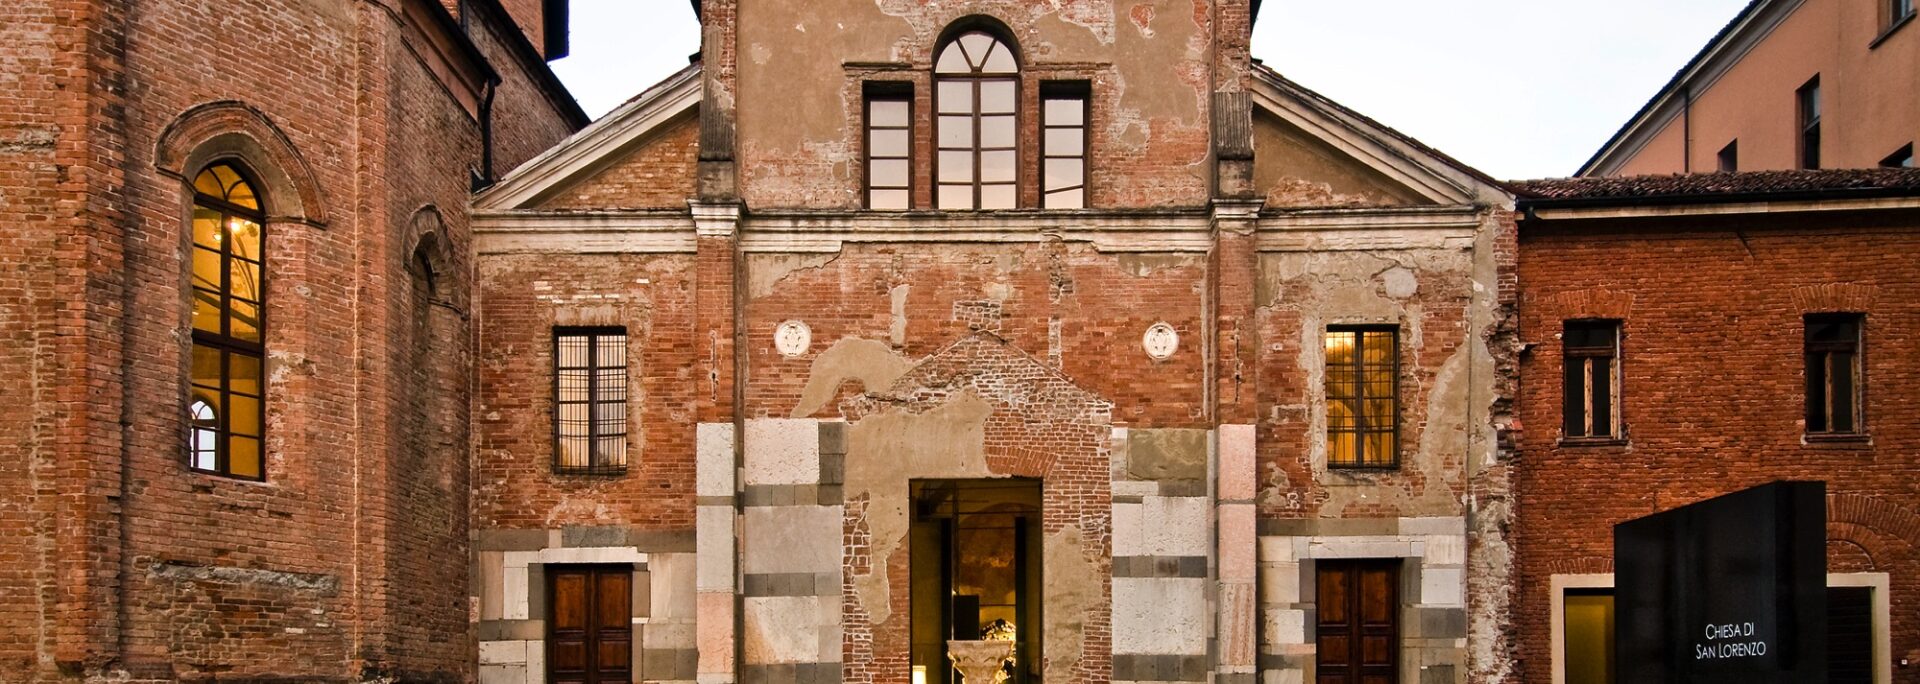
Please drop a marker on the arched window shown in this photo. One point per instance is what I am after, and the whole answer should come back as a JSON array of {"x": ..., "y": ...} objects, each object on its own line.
[
  {"x": 977, "y": 85},
  {"x": 227, "y": 411}
]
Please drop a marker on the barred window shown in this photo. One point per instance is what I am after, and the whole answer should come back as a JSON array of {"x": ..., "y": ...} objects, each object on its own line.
[
  {"x": 1363, "y": 397},
  {"x": 590, "y": 401},
  {"x": 1063, "y": 145},
  {"x": 1591, "y": 361},
  {"x": 226, "y": 408},
  {"x": 1833, "y": 373}
]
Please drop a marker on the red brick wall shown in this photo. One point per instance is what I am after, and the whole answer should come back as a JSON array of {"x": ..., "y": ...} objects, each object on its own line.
[
  {"x": 112, "y": 555},
  {"x": 1713, "y": 390},
  {"x": 658, "y": 174},
  {"x": 521, "y": 299}
]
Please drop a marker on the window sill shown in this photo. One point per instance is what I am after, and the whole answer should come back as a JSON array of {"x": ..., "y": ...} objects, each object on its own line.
[
  {"x": 1891, "y": 29},
  {"x": 1590, "y": 442},
  {"x": 1837, "y": 441},
  {"x": 590, "y": 472}
]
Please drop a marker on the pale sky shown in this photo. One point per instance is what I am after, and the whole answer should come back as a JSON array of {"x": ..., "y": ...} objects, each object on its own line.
[{"x": 1516, "y": 88}]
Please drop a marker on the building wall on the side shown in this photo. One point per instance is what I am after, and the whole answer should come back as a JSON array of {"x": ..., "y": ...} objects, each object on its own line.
[
  {"x": 1713, "y": 391},
  {"x": 1866, "y": 85},
  {"x": 798, "y": 92},
  {"x": 526, "y": 120}
]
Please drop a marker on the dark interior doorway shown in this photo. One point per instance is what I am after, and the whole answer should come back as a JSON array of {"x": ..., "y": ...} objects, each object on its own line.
[{"x": 976, "y": 573}]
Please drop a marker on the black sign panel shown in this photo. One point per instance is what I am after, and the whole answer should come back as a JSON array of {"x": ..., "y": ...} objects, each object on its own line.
[{"x": 1730, "y": 590}]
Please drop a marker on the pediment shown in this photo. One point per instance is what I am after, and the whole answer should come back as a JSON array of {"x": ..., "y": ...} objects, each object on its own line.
[{"x": 642, "y": 128}]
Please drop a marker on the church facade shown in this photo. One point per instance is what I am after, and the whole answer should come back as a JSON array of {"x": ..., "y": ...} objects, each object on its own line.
[{"x": 890, "y": 332}]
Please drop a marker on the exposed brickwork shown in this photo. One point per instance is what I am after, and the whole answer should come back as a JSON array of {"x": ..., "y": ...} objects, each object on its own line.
[
  {"x": 117, "y": 560},
  {"x": 1714, "y": 389},
  {"x": 658, "y": 174}
]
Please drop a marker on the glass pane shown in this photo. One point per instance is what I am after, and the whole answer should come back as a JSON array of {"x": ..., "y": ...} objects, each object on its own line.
[
  {"x": 956, "y": 167},
  {"x": 1816, "y": 392},
  {"x": 245, "y": 322},
  {"x": 206, "y": 227},
  {"x": 205, "y": 446},
  {"x": 1574, "y": 397},
  {"x": 206, "y": 268},
  {"x": 956, "y": 132},
  {"x": 243, "y": 374},
  {"x": 243, "y": 415},
  {"x": 1066, "y": 112},
  {"x": 206, "y": 311},
  {"x": 956, "y": 197},
  {"x": 226, "y": 177},
  {"x": 1379, "y": 449},
  {"x": 572, "y": 351},
  {"x": 892, "y": 200},
  {"x": 612, "y": 352},
  {"x": 1843, "y": 396},
  {"x": 1340, "y": 415},
  {"x": 997, "y": 167},
  {"x": 1066, "y": 142},
  {"x": 613, "y": 450},
  {"x": 573, "y": 385},
  {"x": 573, "y": 420},
  {"x": 1000, "y": 60},
  {"x": 996, "y": 97},
  {"x": 1340, "y": 449},
  {"x": 612, "y": 385},
  {"x": 1602, "y": 379},
  {"x": 887, "y": 143},
  {"x": 246, "y": 237},
  {"x": 207, "y": 183},
  {"x": 1589, "y": 639},
  {"x": 1339, "y": 348},
  {"x": 206, "y": 367},
  {"x": 952, "y": 61},
  {"x": 976, "y": 45},
  {"x": 889, "y": 112},
  {"x": 956, "y": 97},
  {"x": 996, "y": 131},
  {"x": 1379, "y": 413},
  {"x": 610, "y": 419},
  {"x": 888, "y": 173},
  {"x": 1067, "y": 199},
  {"x": 988, "y": 570},
  {"x": 1065, "y": 173},
  {"x": 999, "y": 197},
  {"x": 244, "y": 279},
  {"x": 242, "y": 194},
  {"x": 1379, "y": 347},
  {"x": 243, "y": 457}
]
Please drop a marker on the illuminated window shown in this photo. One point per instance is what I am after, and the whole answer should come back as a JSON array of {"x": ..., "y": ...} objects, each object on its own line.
[
  {"x": 227, "y": 412},
  {"x": 1363, "y": 397},
  {"x": 1833, "y": 374},
  {"x": 1591, "y": 361},
  {"x": 1063, "y": 145},
  {"x": 976, "y": 94},
  {"x": 889, "y": 146},
  {"x": 590, "y": 402}
]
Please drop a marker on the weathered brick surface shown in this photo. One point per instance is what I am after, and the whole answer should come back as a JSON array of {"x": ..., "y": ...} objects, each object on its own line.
[
  {"x": 118, "y": 561},
  {"x": 657, "y": 174},
  {"x": 1714, "y": 390}
]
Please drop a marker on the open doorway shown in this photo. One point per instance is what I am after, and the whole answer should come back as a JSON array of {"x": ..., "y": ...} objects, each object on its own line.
[{"x": 976, "y": 574}]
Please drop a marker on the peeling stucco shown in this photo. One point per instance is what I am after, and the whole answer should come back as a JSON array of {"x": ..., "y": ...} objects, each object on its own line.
[
  {"x": 1072, "y": 586},
  {"x": 873, "y": 364}
]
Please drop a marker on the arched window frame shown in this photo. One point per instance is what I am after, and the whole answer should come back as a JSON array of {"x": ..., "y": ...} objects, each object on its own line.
[
  {"x": 976, "y": 97},
  {"x": 226, "y": 408}
]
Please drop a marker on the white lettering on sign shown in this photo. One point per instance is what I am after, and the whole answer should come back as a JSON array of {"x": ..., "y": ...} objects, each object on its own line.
[{"x": 1733, "y": 640}]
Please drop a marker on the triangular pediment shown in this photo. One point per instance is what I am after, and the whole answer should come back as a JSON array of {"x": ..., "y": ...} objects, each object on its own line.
[
  {"x": 1312, "y": 152},
  {"x": 647, "y": 127}
]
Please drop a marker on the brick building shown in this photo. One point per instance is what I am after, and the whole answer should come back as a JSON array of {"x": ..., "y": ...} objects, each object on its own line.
[
  {"x": 235, "y": 299},
  {"x": 1788, "y": 84},
  {"x": 1690, "y": 336},
  {"x": 1063, "y": 325}
]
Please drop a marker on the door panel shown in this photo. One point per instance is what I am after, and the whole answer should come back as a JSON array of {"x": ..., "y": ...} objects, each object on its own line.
[
  {"x": 1358, "y": 622},
  {"x": 590, "y": 624}
]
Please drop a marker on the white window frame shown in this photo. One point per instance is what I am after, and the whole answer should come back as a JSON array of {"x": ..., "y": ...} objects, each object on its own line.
[{"x": 1879, "y": 582}]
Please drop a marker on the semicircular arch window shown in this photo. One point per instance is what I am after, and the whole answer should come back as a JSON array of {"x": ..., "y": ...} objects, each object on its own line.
[
  {"x": 976, "y": 99},
  {"x": 227, "y": 410}
]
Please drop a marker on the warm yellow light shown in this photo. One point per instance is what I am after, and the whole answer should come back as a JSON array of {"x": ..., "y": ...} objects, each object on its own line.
[{"x": 919, "y": 674}]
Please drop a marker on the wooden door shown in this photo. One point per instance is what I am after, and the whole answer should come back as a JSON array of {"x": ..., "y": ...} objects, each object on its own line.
[
  {"x": 590, "y": 624},
  {"x": 1358, "y": 628}
]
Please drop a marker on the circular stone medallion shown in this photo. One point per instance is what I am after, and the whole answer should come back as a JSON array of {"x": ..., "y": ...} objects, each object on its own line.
[
  {"x": 1160, "y": 341},
  {"x": 792, "y": 338}
]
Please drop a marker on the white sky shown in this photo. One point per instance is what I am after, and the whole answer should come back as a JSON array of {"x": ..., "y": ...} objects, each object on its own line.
[{"x": 1517, "y": 88}]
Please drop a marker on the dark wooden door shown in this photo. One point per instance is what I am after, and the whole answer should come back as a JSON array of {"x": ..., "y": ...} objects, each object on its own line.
[
  {"x": 1358, "y": 626},
  {"x": 589, "y": 625},
  {"x": 1850, "y": 635}
]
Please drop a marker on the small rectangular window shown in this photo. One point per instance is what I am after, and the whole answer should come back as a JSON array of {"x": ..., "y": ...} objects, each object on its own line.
[
  {"x": 1363, "y": 397},
  {"x": 1809, "y": 101},
  {"x": 590, "y": 401},
  {"x": 1901, "y": 158},
  {"x": 1898, "y": 10},
  {"x": 889, "y": 146},
  {"x": 1730, "y": 157},
  {"x": 1591, "y": 362},
  {"x": 1833, "y": 373},
  {"x": 1063, "y": 142}
]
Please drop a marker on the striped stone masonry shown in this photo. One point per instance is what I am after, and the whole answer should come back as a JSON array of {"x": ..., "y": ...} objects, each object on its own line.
[
  {"x": 1162, "y": 543},
  {"x": 792, "y": 557}
]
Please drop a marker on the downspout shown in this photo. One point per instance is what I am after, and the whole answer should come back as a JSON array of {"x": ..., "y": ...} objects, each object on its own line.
[{"x": 485, "y": 178}]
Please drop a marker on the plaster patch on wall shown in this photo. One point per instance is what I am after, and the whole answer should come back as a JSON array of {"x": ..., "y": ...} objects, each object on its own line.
[
  {"x": 872, "y": 363},
  {"x": 1072, "y": 587},
  {"x": 765, "y": 271}
]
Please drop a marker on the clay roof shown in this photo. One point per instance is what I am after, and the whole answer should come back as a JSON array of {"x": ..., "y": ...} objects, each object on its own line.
[{"x": 1722, "y": 187}]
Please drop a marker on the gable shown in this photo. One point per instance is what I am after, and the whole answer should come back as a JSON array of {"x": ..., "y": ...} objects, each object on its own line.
[
  {"x": 656, "y": 172},
  {"x": 1294, "y": 169},
  {"x": 649, "y": 126}
]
